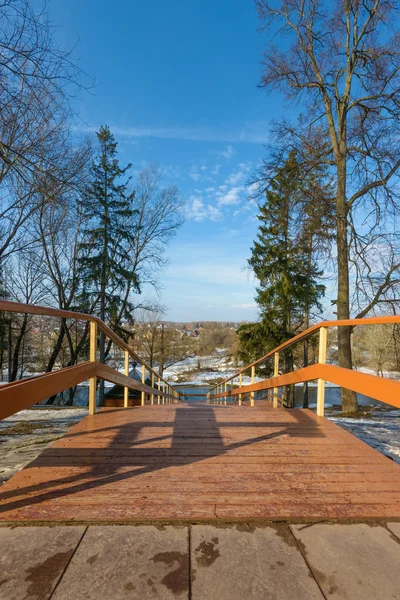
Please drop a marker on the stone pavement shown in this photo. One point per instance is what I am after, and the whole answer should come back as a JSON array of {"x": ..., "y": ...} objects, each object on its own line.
[{"x": 201, "y": 562}]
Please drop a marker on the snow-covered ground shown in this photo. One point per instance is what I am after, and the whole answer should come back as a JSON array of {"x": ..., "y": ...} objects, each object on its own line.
[
  {"x": 219, "y": 367},
  {"x": 26, "y": 434},
  {"x": 381, "y": 430},
  {"x": 386, "y": 374},
  {"x": 192, "y": 362}
]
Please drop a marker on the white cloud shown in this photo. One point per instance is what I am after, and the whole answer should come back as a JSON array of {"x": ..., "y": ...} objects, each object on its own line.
[
  {"x": 197, "y": 210},
  {"x": 209, "y": 273},
  {"x": 216, "y": 169},
  {"x": 195, "y": 176},
  {"x": 235, "y": 178},
  {"x": 253, "y": 191},
  {"x": 228, "y": 152},
  {"x": 245, "y": 305},
  {"x": 230, "y": 197},
  {"x": 171, "y": 171},
  {"x": 250, "y": 133},
  {"x": 235, "y": 181}
]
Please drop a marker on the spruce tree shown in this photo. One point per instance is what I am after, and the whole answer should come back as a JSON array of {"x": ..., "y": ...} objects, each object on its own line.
[
  {"x": 108, "y": 234},
  {"x": 288, "y": 281}
]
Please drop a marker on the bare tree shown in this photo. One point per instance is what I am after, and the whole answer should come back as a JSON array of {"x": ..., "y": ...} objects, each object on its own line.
[
  {"x": 160, "y": 344},
  {"x": 37, "y": 81},
  {"x": 341, "y": 61},
  {"x": 23, "y": 284},
  {"x": 147, "y": 323},
  {"x": 156, "y": 220}
]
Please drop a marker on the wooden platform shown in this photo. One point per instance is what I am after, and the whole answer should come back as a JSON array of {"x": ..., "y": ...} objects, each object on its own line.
[{"x": 193, "y": 462}]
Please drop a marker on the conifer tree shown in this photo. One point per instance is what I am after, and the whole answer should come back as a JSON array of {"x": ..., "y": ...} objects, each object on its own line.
[
  {"x": 108, "y": 235},
  {"x": 288, "y": 277}
]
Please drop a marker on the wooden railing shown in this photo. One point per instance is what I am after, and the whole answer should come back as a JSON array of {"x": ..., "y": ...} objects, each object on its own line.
[
  {"x": 378, "y": 388},
  {"x": 17, "y": 395}
]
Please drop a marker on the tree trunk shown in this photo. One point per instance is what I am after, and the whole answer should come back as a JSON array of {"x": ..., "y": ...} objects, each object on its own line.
[
  {"x": 289, "y": 389},
  {"x": 2, "y": 348},
  {"x": 57, "y": 347},
  {"x": 17, "y": 347},
  {"x": 9, "y": 357},
  {"x": 162, "y": 353},
  {"x": 102, "y": 347},
  {"x": 54, "y": 356},
  {"x": 349, "y": 399},
  {"x": 305, "y": 364}
]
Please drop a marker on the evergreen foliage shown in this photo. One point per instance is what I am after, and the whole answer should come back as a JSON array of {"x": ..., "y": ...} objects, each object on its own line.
[
  {"x": 282, "y": 260},
  {"x": 108, "y": 234}
]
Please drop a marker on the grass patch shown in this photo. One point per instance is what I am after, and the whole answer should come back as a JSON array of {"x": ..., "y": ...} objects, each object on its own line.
[
  {"x": 49, "y": 440},
  {"x": 24, "y": 428}
]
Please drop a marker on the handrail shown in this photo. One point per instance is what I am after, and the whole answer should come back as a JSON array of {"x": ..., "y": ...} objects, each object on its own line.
[
  {"x": 379, "y": 388},
  {"x": 319, "y": 371},
  {"x": 33, "y": 309},
  {"x": 310, "y": 331},
  {"x": 44, "y": 385},
  {"x": 17, "y": 395}
]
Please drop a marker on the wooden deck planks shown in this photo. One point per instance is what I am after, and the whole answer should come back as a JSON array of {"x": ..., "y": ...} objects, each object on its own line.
[{"x": 201, "y": 462}]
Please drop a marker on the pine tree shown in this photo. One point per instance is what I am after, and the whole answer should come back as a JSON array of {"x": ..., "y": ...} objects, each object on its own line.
[
  {"x": 288, "y": 279},
  {"x": 108, "y": 235},
  {"x": 315, "y": 225}
]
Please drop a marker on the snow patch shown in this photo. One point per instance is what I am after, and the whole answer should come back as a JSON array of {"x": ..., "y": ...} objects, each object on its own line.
[{"x": 382, "y": 431}]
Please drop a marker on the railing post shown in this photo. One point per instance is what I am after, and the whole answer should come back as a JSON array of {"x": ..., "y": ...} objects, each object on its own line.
[
  {"x": 159, "y": 389},
  {"x": 276, "y": 373},
  {"x": 225, "y": 390},
  {"x": 152, "y": 385},
  {"x": 240, "y": 385},
  {"x": 93, "y": 358},
  {"x": 143, "y": 381},
  {"x": 126, "y": 389},
  {"x": 253, "y": 375},
  {"x": 323, "y": 338}
]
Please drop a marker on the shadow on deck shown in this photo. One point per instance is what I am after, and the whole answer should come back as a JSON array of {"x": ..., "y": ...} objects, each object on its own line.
[{"x": 200, "y": 462}]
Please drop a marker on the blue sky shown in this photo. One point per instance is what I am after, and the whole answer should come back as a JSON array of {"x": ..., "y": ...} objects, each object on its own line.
[{"x": 177, "y": 84}]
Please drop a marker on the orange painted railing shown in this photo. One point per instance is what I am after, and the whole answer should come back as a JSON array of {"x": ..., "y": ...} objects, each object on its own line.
[
  {"x": 378, "y": 388},
  {"x": 16, "y": 395}
]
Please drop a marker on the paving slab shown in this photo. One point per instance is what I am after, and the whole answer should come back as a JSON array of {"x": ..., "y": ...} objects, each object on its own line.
[
  {"x": 352, "y": 562},
  {"x": 252, "y": 563},
  {"x": 32, "y": 559},
  {"x": 394, "y": 528},
  {"x": 121, "y": 562}
]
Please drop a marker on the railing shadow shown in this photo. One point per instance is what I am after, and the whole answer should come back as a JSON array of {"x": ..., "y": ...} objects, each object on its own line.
[{"x": 128, "y": 450}]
